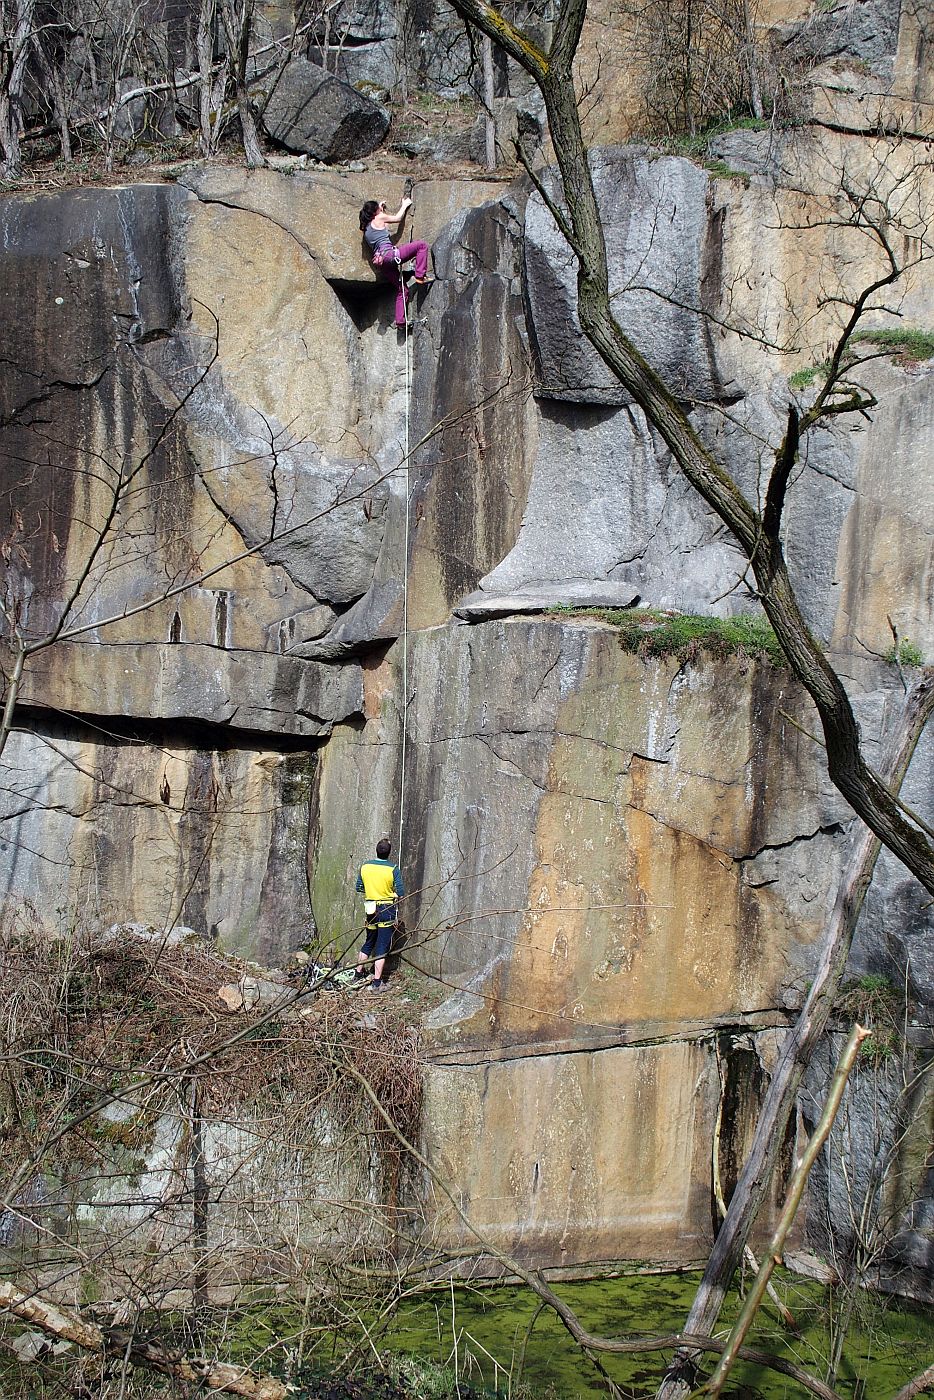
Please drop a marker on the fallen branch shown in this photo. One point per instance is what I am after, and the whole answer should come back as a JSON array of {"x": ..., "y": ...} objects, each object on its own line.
[
  {"x": 917, "y": 1386},
  {"x": 71, "y": 1327}
]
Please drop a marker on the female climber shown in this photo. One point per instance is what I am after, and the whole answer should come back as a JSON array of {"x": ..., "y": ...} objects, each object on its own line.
[{"x": 387, "y": 257}]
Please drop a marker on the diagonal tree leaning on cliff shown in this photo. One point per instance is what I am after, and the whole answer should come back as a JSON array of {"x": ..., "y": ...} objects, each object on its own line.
[{"x": 758, "y": 530}]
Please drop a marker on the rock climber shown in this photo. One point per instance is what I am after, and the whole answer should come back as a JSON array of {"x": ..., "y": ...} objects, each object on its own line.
[
  {"x": 387, "y": 257},
  {"x": 380, "y": 883}
]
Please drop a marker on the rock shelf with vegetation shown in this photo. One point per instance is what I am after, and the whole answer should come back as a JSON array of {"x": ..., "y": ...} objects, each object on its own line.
[{"x": 605, "y": 593}]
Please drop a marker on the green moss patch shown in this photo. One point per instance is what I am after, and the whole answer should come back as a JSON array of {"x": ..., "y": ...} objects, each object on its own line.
[
  {"x": 685, "y": 636},
  {"x": 909, "y": 344}
]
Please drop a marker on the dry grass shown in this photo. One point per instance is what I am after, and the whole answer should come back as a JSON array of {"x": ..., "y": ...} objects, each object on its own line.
[{"x": 96, "y": 1019}]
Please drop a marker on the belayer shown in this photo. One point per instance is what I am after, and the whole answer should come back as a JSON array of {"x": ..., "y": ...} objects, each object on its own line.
[
  {"x": 387, "y": 257},
  {"x": 380, "y": 883}
]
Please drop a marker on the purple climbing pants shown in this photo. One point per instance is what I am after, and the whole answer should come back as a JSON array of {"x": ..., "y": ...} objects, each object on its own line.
[{"x": 391, "y": 271}]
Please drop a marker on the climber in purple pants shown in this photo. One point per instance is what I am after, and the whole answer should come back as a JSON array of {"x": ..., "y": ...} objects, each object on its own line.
[{"x": 387, "y": 257}]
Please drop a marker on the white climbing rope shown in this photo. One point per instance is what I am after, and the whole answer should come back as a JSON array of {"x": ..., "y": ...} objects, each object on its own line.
[{"x": 405, "y": 568}]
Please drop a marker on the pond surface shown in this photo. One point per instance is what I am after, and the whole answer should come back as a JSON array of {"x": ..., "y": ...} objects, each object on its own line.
[{"x": 483, "y": 1332}]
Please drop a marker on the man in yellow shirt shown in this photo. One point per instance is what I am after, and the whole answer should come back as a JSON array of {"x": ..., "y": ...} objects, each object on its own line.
[{"x": 380, "y": 883}]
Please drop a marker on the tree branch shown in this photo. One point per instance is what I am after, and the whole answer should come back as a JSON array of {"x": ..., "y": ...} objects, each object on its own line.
[{"x": 211, "y": 1375}]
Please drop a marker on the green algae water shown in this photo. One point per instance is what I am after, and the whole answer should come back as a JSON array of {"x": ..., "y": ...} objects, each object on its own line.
[{"x": 483, "y": 1332}]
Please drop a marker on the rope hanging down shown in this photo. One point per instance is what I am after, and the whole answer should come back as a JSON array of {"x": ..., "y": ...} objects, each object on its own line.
[{"x": 405, "y": 566}]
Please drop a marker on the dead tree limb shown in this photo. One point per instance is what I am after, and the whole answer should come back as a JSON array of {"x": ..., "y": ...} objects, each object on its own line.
[
  {"x": 789, "y": 1210},
  {"x": 68, "y": 1326},
  {"x": 799, "y": 1045}
]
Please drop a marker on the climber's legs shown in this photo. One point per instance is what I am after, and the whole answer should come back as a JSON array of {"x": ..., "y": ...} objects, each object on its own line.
[{"x": 392, "y": 272}]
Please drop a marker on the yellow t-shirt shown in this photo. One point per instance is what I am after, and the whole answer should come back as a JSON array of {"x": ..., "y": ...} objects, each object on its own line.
[{"x": 378, "y": 880}]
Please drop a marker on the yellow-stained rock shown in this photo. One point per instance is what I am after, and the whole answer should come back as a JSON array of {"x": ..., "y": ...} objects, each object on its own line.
[{"x": 566, "y": 1157}]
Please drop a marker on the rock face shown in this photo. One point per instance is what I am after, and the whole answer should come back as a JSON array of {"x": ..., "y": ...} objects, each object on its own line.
[
  {"x": 273, "y": 531},
  {"x": 659, "y": 241},
  {"x": 193, "y": 835}
]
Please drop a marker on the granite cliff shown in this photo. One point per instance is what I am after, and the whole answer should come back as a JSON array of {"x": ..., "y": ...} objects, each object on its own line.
[{"x": 621, "y": 864}]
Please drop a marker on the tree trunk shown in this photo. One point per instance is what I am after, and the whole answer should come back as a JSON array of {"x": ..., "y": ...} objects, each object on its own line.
[
  {"x": 205, "y": 1375},
  {"x": 15, "y": 38},
  {"x": 209, "y": 115},
  {"x": 486, "y": 46}
]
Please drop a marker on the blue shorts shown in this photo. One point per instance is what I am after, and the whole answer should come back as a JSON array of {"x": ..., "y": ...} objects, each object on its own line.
[{"x": 380, "y": 928}]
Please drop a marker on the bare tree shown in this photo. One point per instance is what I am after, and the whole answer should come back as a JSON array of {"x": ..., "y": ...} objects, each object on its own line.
[
  {"x": 698, "y": 61},
  {"x": 17, "y": 19},
  {"x": 269, "y": 1162}
]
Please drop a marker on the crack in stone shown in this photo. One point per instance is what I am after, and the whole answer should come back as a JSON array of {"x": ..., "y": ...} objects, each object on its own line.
[
  {"x": 682, "y": 831},
  {"x": 552, "y": 733},
  {"x": 582, "y": 796},
  {"x": 551, "y": 668},
  {"x": 873, "y": 132},
  {"x": 472, "y": 1057},
  {"x": 259, "y": 214},
  {"x": 822, "y": 471},
  {"x": 831, "y": 829},
  {"x": 487, "y": 740},
  {"x": 49, "y": 391}
]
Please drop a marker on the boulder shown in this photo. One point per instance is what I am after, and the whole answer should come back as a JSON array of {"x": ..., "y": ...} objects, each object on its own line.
[
  {"x": 251, "y": 992},
  {"x": 311, "y": 111}
]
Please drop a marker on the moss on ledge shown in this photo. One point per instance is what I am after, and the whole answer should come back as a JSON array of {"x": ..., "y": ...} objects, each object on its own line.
[{"x": 685, "y": 636}]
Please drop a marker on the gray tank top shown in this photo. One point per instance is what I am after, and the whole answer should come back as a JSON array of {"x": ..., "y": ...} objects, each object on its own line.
[{"x": 377, "y": 238}]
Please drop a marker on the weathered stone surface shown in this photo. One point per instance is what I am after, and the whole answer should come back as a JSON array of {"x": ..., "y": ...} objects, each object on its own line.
[
  {"x": 365, "y": 46},
  {"x": 481, "y": 606},
  {"x": 469, "y": 488},
  {"x": 656, "y": 226},
  {"x": 885, "y": 553},
  {"x": 604, "y": 515},
  {"x": 560, "y": 1157},
  {"x": 320, "y": 210},
  {"x": 161, "y": 834},
  {"x": 874, "y": 1179},
  {"x": 865, "y": 30},
  {"x": 311, "y": 110},
  {"x": 602, "y": 803}
]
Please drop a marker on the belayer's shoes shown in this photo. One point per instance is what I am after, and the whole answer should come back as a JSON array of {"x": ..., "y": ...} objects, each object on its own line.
[{"x": 377, "y": 986}]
